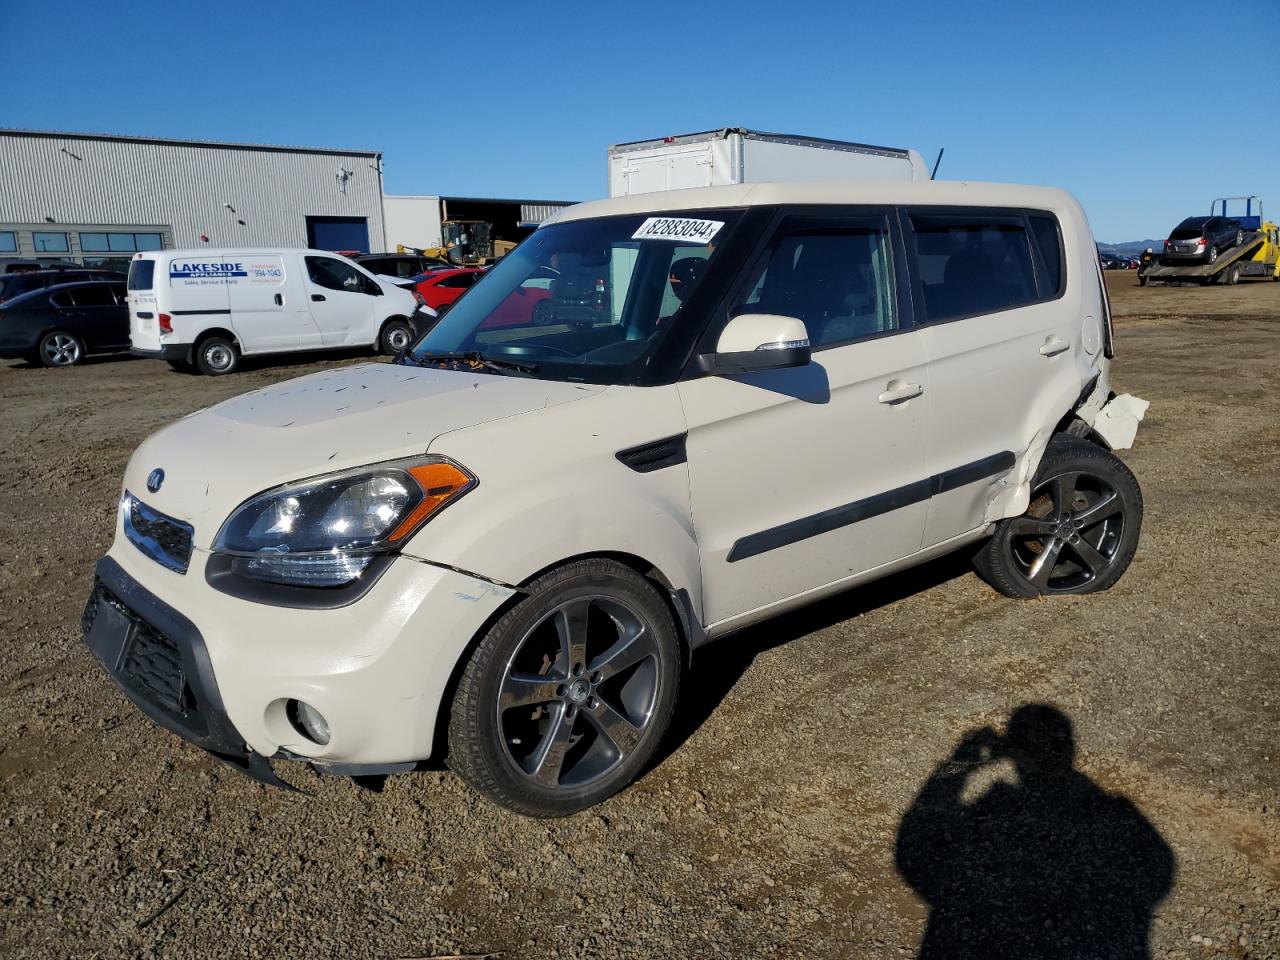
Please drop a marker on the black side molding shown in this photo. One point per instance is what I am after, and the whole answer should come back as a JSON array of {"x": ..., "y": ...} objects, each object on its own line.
[
  {"x": 656, "y": 455},
  {"x": 828, "y": 520},
  {"x": 198, "y": 313}
]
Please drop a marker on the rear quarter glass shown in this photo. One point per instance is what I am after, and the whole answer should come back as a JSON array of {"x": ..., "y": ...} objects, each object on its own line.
[{"x": 142, "y": 274}]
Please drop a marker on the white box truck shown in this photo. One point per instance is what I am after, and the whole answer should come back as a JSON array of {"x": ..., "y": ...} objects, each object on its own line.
[{"x": 737, "y": 155}]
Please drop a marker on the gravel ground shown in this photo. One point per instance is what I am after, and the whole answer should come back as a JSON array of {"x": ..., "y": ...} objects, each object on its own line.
[{"x": 820, "y": 795}]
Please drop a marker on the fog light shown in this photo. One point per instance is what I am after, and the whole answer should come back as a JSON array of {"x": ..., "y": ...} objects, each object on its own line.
[{"x": 308, "y": 721}]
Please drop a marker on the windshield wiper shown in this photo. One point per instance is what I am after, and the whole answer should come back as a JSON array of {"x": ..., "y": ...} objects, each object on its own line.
[{"x": 470, "y": 360}]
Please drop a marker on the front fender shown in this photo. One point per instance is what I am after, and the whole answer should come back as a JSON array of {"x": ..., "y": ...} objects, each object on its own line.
[{"x": 552, "y": 488}]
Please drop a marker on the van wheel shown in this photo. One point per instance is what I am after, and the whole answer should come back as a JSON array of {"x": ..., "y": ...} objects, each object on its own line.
[
  {"x": 60, "y": 349},
  {"x": 396, "y": 337},
  {"x": 569, "y": 693},
  {"x": 216, "y": 356},
  {"x": 1079, "y": 532}
]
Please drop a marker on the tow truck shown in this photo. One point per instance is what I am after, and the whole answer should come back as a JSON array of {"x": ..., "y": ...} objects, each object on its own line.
[{"x": 1258, "y": 255}]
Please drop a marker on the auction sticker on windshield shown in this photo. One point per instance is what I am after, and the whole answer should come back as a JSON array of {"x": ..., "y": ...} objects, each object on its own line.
[{"x": 677, "y": 228}]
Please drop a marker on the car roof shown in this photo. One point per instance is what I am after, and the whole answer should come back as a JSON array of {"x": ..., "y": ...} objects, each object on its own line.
[
  {"x": 31, "y": 295},
  {"x": 1195, "y": 221},
  {"x": 937, "y": 192}
]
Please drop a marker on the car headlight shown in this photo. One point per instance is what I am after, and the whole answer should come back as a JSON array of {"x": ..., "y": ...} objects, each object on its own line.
[{"x": 325, "y": 531}]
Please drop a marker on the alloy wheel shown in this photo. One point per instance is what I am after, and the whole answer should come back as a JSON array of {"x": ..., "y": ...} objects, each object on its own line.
[
  {"x": 578, "y": 694},
  {"x": 1070, "y": 534},
  {"x": 62, "y": 350}
]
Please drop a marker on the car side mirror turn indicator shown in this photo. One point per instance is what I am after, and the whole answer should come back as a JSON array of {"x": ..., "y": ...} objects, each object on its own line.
[{"x": 760, "y": 341}]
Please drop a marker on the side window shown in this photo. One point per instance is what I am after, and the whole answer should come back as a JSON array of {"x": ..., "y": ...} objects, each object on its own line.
[
  {"x": 334, "y": 275},
  {"x": 838, "y": 280},
  {"x": 1049, "y": 240},
  {"x": 93, "y": 295},
  {"x": 972, "y": 265},
  {"x": 61, "y": 299},
  {"x": 462, "y": 281}
]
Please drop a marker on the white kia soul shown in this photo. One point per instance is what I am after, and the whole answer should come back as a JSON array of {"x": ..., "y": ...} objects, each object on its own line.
[{"x": 661, "y": 419}]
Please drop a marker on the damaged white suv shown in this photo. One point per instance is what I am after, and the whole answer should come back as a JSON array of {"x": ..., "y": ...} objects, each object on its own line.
[{"x": 661, "y": 419}]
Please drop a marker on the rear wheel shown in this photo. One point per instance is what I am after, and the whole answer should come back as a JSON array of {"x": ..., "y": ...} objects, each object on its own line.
[
  {"x": 1239, "y": 237},
  {"x": 569, "y": 693},
  {"x": 1079, "y": 532},
  {"x": 60, "y": 349},
  {"x": 396, "y": 337},
  {"x": 1232, "y": 276},
  {"x": 1213, "y": 254},
  {"x": 216, "y": 356}
]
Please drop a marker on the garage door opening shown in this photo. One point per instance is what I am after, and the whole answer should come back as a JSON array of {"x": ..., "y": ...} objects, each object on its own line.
[{"x": 338, "y": 234}]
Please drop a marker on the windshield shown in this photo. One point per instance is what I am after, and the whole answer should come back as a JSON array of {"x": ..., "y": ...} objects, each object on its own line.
[{"x": 586, "y": 300}]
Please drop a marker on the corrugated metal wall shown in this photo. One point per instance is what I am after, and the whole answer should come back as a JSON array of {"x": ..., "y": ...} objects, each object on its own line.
[{"x": 77, "y": 179}]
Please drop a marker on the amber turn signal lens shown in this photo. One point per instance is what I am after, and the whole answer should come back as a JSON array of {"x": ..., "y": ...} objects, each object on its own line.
[{"x": 440, "y": 483}]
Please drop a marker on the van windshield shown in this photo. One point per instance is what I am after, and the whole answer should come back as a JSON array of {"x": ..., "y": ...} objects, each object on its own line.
[
  {"x": 587, "y": 300},
  {"x": 141, "y": 274}
]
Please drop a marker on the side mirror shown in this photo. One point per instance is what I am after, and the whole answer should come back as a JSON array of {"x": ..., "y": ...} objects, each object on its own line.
[{"x": 760, "y": 341}]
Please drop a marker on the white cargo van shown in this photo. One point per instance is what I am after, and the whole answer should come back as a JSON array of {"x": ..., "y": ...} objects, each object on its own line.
[
  {"x": 718, "y": 158},
  {"x": 206, "y": 308}
]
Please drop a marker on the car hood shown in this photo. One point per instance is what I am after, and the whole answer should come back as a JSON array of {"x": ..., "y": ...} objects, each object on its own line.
[{"x": 215, "y": 459}]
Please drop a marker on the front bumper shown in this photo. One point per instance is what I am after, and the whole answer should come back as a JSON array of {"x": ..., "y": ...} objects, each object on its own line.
[
  {"x": 159, "y": 659},
  {"x": 218, "y": 670}
]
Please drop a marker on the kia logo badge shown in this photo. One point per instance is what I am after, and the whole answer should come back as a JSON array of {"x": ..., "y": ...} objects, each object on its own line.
[{"x": 155, "y": 479}]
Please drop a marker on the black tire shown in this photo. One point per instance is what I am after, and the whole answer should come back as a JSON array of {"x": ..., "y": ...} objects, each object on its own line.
[
  {"x": 546, "y": 753},
  {"x": 1239, "y": 237},
  {"x": 541, "y": 313},
  {"x": 217, "y": 356},
  {"x": 1213, "y": 255},
  {"x": 1090, "y": 538},
  {"x": 1142, "y": 281},
  {"x": 57, "y": 348},
  {"x": 1232, "y": 275},
  {"x": 395, "y": 338}
]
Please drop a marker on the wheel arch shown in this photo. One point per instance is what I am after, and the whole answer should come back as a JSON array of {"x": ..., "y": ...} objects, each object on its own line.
[{"x": 689, "y": 632}]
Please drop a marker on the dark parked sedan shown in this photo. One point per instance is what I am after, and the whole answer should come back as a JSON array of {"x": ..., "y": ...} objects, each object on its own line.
[
  {"x": 58, "y": 326},
  {"x": 1203, "y": 238}
]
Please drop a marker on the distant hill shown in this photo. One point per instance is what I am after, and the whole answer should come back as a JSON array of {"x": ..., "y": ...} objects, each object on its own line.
[{"x": 1130, "y": 248}]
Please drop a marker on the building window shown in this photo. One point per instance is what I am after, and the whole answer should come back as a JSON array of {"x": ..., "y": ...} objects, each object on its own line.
[
  {"x": 50, "y": 242},
  {"x": 8, "y": 241},
  {"x": 120, "y": 242}
]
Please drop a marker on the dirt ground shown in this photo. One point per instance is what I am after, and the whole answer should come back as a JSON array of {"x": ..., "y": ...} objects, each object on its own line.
[{"x": 795, "y": 811}]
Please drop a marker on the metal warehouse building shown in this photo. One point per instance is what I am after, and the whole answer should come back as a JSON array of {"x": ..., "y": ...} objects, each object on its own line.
[{"x": 98, "y": 199}]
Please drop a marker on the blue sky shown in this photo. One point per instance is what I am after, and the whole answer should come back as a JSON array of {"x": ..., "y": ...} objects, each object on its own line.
[{"x": 1145, "y": 110}]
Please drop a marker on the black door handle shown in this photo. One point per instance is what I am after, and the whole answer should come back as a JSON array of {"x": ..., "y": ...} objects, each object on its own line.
[
  {"x": 279, "y": 298},
  {"x": 317, "y": 297}
]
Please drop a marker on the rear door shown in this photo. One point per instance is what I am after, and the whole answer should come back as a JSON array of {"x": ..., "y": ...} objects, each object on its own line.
[
  {"x": 340, "y": 300},
  {"x": 144, "y": 275},
  {"x": 1000, "y": 339},
  {"x": 267, "y": 315},
  {"x": 98, "y": 315}
]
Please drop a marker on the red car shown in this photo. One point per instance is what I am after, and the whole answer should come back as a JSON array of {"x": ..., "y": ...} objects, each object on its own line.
[{"x": 441, "y": 288}]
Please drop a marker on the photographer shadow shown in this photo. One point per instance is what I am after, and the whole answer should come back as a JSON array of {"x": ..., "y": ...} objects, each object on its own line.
[{"x": 1041, "y": 863}]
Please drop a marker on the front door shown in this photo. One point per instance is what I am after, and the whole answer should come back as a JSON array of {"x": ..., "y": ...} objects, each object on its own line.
[
  {"x": 264, "y": 310},
  {"x": 812, "y": 475},
  {"x": 340, "y": 301}
]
